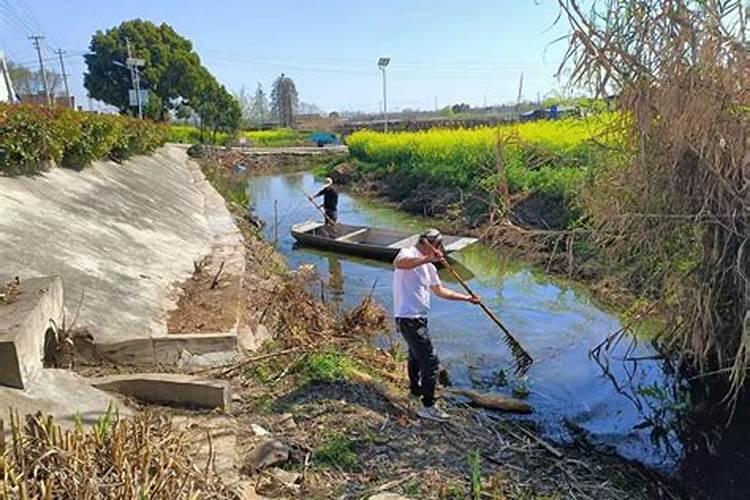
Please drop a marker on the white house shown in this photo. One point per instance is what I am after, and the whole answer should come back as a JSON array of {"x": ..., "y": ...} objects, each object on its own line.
[{"x": 7, "y": 94}]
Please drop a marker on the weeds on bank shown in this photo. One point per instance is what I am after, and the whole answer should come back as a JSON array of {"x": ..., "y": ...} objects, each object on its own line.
[
  {"x": 138, "y": 457},
  {"x": 337, "y": 450},
  {"x": 326, "y": 366},
  {"x": 475, "y": 474},
  {"x": 233, "y": 190}
]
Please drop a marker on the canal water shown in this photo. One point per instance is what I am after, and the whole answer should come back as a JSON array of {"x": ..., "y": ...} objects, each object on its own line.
[{"x": 556, "y": 321}]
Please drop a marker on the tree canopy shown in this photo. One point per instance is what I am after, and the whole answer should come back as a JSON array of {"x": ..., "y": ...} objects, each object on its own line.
[{"x": 172, "y": 73}]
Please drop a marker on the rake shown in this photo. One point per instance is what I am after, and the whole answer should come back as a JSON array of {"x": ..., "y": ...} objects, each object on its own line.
[{"x": 523, "y": 359}]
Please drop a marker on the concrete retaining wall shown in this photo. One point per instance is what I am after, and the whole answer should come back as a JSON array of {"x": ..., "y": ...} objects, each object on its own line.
[{"x": 119, "y": 235}]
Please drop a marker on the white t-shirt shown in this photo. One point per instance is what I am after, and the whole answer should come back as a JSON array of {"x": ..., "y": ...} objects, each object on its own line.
[{"x": 411, "y": 287}]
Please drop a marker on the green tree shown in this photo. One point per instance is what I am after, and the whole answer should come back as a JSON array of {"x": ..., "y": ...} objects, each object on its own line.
[
  {"x": 172, "y": 69},
  {"x": 284, "y": 100},
  {"x": 217, "y": 109}
]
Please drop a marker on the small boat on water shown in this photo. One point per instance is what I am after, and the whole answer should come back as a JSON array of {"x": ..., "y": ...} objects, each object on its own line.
[{"x": 363, "y": 241}]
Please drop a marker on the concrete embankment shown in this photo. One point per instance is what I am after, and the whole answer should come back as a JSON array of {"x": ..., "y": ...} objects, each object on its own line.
[{"x": 120, "y": 236}]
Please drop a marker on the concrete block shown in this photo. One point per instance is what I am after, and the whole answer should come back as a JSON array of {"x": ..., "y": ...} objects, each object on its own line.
[
  {"x": 168, "y": 388},
  {"x": 62, "y": 394},
  {"x": 163, "y": 349},
  {"x": 23, "y": 325},
  {"x": 168, "y": 348},
  {"x": 137, "y": 351}
]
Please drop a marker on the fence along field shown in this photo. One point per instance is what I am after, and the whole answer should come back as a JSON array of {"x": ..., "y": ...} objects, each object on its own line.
[{"x": 549, "y": 157}]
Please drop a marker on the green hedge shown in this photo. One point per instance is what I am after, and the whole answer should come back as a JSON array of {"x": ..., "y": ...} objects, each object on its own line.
[{"x": 33, "y": 138}]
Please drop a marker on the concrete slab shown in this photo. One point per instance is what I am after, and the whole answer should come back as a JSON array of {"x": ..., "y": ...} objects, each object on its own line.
[
  {"x": 152, "y": 351},
  {"x": 62, "y": 394},
  {"x": 168, "y": 388},
  {"x": 125, "y": 235},
  {"x": 23, "y": 325}
]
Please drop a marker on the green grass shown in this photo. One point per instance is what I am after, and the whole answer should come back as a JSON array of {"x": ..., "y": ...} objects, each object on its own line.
[
  {"x": 277, "y": 138},
  {"x": 325, "y": 366},
  {"x": 337, "y": 450},
  {"x": 184, "y": 134},
  {"x": 233, "y": 190},
  {"x": 474, "y": 461},
  {"x": 274, "y": 138}
]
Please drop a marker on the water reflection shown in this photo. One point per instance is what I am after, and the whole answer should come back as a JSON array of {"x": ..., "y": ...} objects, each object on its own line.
[
  {"x": 336, "y": 280},
  {"x": 554, "y": 319}
]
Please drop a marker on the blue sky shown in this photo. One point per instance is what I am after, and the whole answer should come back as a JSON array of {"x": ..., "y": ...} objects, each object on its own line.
[{"x": 444, "y": 50}]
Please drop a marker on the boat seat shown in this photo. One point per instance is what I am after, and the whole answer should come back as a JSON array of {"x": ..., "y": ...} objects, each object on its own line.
[{"x": 352, "y": 234}]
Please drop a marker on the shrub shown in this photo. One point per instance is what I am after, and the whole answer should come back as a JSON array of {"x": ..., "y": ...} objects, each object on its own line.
[
  {"x": 29, "y": 139},
  {"x": 32, "y": 138}
]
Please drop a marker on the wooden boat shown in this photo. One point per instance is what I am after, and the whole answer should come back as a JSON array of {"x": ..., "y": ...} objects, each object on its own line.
[{"x": 363, "y": 241}]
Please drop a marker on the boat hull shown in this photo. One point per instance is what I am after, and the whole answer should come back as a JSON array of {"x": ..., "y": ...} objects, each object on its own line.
[{"x": 372, "y": 243}]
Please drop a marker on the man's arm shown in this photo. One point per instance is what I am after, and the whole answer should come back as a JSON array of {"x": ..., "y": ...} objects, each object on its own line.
[
  {"x": 412, "y": 262},
  {"x": 448, "y": 294}
]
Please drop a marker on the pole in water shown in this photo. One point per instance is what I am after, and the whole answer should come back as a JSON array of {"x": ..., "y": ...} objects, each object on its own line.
[{"x": 275, "y": 222}]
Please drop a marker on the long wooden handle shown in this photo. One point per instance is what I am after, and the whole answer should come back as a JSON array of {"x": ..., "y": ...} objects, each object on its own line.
[
  {"x": 320, "y": 209},
  {"x": 481, "y": 304}
]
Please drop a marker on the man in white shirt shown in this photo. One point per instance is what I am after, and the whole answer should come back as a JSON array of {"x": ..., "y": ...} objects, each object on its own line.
[{"x": 414, "y": 278}]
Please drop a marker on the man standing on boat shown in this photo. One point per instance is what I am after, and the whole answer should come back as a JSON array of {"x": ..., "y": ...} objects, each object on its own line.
[
  {"x": 330, "y": 201},
  {"x": 415, "y": 276}
]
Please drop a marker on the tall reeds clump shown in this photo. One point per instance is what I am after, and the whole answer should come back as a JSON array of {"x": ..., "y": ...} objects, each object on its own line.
[
  {"x": 673, "y": 215},
  {"x": 140, "y": 457}
]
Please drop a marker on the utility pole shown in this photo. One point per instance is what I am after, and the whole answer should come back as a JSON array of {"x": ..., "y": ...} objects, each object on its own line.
[
  {"x": 135, "y": 76},
  {"x": 382, "y": 64},
  {"x": 436, "y": 107},
  {"x": 60, "y": 53},
  {"x": 35, "y": 40}
]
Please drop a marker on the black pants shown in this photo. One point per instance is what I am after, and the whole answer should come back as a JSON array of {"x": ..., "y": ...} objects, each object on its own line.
[
  {"x": 332, "y": 214},
  {"x": 423, "y": 361}
]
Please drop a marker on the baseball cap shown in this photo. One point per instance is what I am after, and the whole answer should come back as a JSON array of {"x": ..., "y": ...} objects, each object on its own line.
[{"x": 433, "y": 236}]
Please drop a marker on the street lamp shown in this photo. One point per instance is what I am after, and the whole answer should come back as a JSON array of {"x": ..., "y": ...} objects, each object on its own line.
[{"x": 382, "y": 63}]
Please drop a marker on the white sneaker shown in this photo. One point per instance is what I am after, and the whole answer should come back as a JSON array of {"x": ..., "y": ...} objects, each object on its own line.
[{"x": 433, "y": 413}]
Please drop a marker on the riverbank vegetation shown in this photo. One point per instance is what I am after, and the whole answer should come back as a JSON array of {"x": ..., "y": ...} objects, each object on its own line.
[
  {"x": 551, "y": 159},
  {"x": 33, "y": 138}
]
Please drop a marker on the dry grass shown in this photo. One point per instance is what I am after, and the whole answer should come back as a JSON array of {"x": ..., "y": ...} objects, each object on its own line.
[
  {"x": 674, "y": 213},
  {"x": 142, "y": 457}
]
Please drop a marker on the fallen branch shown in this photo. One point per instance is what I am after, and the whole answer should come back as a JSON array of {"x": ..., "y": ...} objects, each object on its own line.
[
  {"x": 544, "y": 444},
  {"x": 215, "y": 281},
  {"x": 249, "y": 361}
]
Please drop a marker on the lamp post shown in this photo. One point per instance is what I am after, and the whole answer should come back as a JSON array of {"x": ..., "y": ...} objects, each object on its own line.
[{"x": 382, "y": 63}]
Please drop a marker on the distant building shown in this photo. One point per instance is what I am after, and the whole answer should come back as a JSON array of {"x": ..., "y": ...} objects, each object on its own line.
[{"x": 7, "y": 93}]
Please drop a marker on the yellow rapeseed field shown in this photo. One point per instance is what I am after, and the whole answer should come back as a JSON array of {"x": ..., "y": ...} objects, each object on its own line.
[{"x": 548, "y": 155}]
